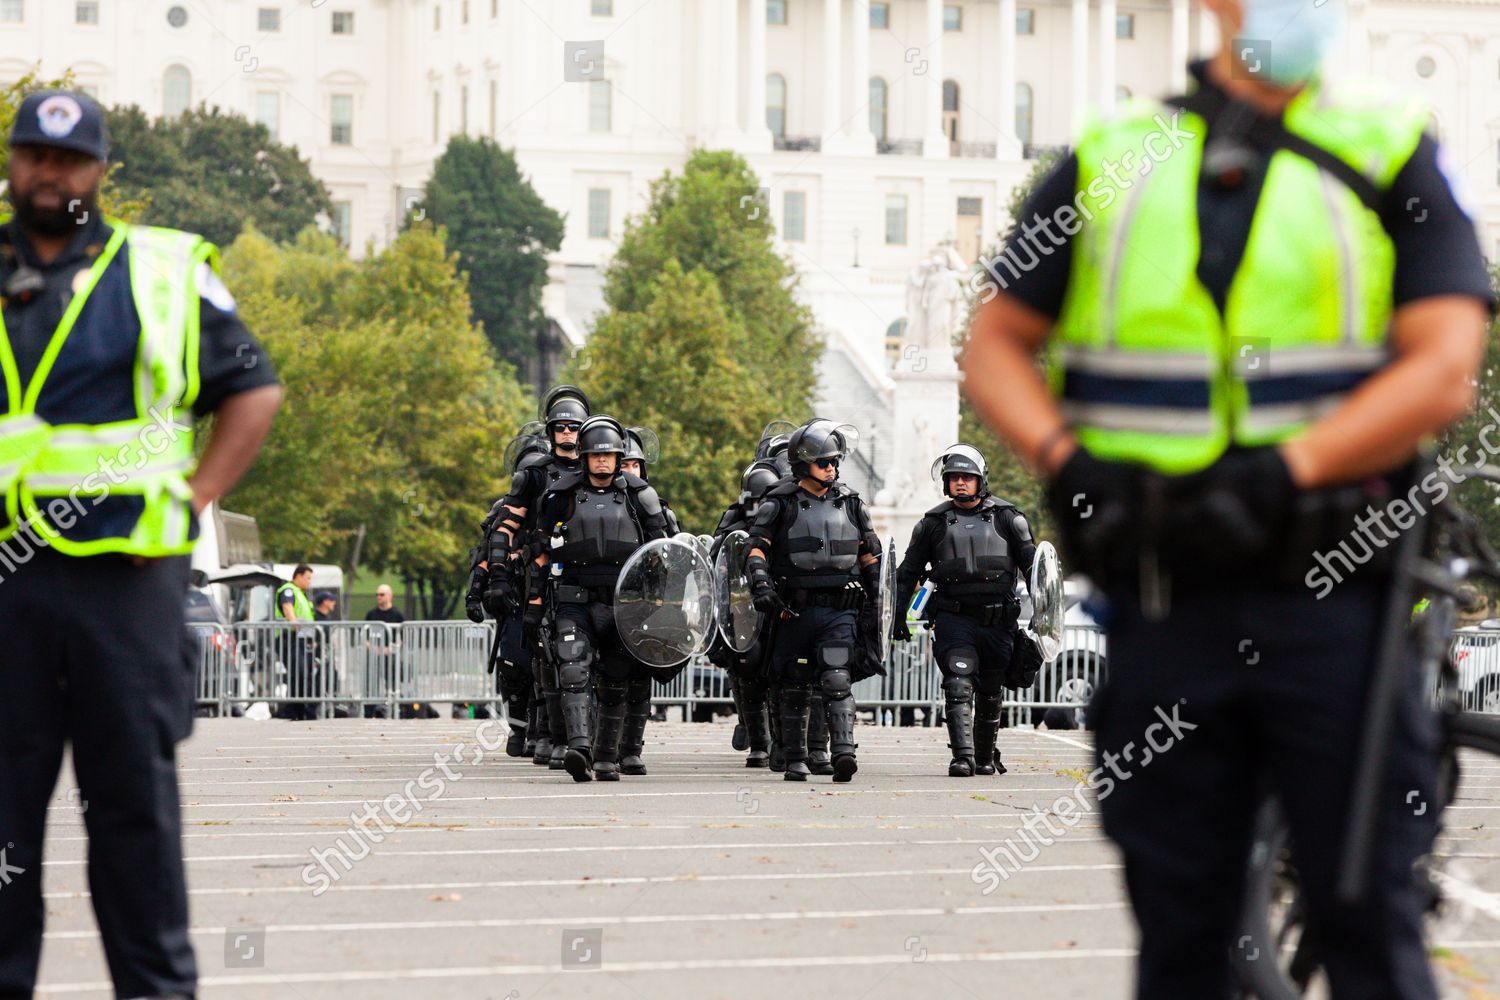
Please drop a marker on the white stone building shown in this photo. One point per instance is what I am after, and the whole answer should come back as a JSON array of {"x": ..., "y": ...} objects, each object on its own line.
[{"x": 879, "y": 129}]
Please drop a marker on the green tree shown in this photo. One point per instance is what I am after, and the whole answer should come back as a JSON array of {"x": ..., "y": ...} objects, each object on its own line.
[
  {"x": 393, "y": 403},
  {"x": 210, "y": 171},
  {"x": 703, "y": 319},
  {"x": 502, "y": 232},
  {"x": 1009, "y": 476}
]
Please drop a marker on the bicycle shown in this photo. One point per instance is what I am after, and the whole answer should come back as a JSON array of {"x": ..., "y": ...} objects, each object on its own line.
[{"x": 1276, "y": 955}]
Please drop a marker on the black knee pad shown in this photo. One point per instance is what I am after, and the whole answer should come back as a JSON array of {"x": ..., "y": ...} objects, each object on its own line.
[
  {"x": 962, "y": 661},
  {"x": 835, "y": 656},
  {"x": 836, "y": 685},
  {"x": 957, "y": 689},
  {"x": 575, "y": 654}
]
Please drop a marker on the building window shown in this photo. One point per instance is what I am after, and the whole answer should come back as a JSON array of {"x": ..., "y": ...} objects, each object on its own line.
[
  {"x": 895, "y": 220},
  {"x": 1124, "y": 25},
  {"x": 880, "y": 15},
  {"x": 494, "y": 105},
  {"x": 343, "y": 215},
  {"x": 950, "y": 110},
  {"x": 1426, "y": 66},
  {"x": 776, "y": 11},
  {"x": 494, "y": 9},
  {"x": 437, "y": 18},
  {"x": 176, "y": 91},
  {"x": 895, "y": 334},
  {"x": 341, "y": 119},
  {"x": 13, "y": 11},
  {"x": 268, "y": 19},
  {"x": 1025, "y": 21},
  {"x": 598, "y": 213},
  {"x": 463, "y": 109},
  {"x": 879, "y": 115},
  {"x": 794, "y": 216},
  {"x": 463, "y": 12},
  {"x": 268, "y": 112},
  {"x": 776, "y": 104},
  {"x": 86, "y": 12},
  {"x": 602, "y": 8},
  {"x": 1023, "y": 112},
  {"x": 177, "y": 15},
  {"x": 953, "y": 17},
  {"x": 343, "y": 22},
  {"x": 600, "y": 100},
  {"x": 437, "y": 114}
]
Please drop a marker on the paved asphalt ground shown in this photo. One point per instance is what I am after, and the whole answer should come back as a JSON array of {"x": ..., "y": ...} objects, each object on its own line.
[{"x": 703, "y": 879}]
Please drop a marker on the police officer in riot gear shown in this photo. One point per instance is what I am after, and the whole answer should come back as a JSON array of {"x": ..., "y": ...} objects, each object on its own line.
[
  {"x": 593, "y": 520},
  {"x": 642, "y": 449},
  {"x": 564, "y": 410},
  {"x": 748, "y": 684},
  {"x": 814, "y": 560},
  {"x": 972, "y": 546}
]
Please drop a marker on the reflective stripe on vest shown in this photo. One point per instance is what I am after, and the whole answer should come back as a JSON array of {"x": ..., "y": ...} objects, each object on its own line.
[
  {"x": 1146, "y": 367},
  {"x": 150, "y": 456}
]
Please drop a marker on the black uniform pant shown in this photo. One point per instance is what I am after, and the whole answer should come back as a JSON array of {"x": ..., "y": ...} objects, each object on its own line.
[
  {"x": 96, "y": 656},
  {"x": 955, "y": 633},
  {"x": 1232, "y": 686},
  {"x": 513, "y": 675},
  {"x": 590, "y": 653},
  {"x": 815, "y": 652}
]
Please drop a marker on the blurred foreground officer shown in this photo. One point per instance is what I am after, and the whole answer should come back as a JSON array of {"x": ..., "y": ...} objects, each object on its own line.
[
  {"x": 971, "y": 546},
  {"x": 1255, "y": 325},
  {"x": 114, "y": 338}
]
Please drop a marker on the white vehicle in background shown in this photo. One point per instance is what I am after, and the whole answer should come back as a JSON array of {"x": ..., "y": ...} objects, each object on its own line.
[
  {"x": 1069, "y": 682},
  {"x": 1476, "y": 657}
]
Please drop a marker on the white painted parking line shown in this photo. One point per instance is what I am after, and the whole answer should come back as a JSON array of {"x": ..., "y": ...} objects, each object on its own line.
[
  {"x": 476, "y": 852},
  {"x": 803, "y": 963},
  {"x": 619, "y": 880},
  {"x": 595, "y": 920}
]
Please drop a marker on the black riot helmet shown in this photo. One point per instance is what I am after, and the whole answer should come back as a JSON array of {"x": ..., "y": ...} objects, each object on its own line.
[
  {"x": 564, "y": 404},
  {"x": 760, "y": 476},
  {"x": 601, "y": 435},
  {"x": 642, "y": 444},
  {"x": 530, "y": 440},
  {"x": 961, "y": 459},
  {"x": 819, "y": 438}
]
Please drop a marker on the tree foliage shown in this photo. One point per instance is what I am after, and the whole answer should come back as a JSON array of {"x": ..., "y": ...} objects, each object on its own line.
[
  {"x": 1474, "y": 432},
  {"x": 211, "y": 172},
  {"x": 704, "y": 342},
  {"x": 393, "y": 400},
  {"x": 502, "y": 232}
]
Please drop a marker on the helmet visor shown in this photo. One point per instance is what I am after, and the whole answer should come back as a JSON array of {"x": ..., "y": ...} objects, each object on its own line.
[
  {"x": 826, "y": 439},
  {"x": 960, "y": 458}
]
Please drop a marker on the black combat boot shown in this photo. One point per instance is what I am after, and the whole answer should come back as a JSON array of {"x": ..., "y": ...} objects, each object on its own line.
[
  {"x": 578, "y": 714},
  {"x": 741, "y": 738},
  {"x": 840, "y": 714},
  {"x": 633, "y": 742},
  {"x": 516, "y": 712},
  {"x": 757, "y": 730},
  {"x": 611, "y": 719},
  {"x": 773, "y": 715},
  {"x": 533, "y": 726},
  {"x": 818, "y": 760},
  {"x": 559, "y": 727},
  {"x": 958, "y": 710},
  {"x": 987, "y": 709},
  {"x": 794, "y": 731}
]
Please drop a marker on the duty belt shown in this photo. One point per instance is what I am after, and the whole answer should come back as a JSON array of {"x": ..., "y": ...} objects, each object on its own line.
[
  {"x": 569, "y": 594},
  {"x": 1002, "y": 613},
  {"x": 839, "y": 598}
]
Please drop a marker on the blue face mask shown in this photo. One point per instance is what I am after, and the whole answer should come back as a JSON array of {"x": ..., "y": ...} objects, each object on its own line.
[{"x": 1285, "y": 41}]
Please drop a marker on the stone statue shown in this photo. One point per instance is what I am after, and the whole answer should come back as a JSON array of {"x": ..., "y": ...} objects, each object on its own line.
[{"x": 934, "y": 299}]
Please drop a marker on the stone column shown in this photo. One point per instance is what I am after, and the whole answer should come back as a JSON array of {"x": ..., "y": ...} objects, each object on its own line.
[
  {"x": 1007, "y": 145},
  {"x": 832, "y": 71},
  {"x": 755, "y": 84},
  {"x": 1078, "y": 96},
  {"x": 1106, "y": 83},
  {"x": 861, "y": 139},
  {"x": 1179, "y": 46},
  {"x": 934, "y": 139}
]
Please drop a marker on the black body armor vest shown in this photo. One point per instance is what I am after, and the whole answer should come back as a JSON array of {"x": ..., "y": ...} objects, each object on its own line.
[{"x": 817, "y": 543}]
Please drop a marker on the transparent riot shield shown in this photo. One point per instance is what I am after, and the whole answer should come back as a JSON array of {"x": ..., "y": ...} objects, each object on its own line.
[
  {"x": 664, "y": 602},
  {"x": 739, "y": 622},
  {"x": 1046, "y": 625}
]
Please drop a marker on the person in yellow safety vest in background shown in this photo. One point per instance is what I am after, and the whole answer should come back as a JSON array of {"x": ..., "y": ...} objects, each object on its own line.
[
  {"x": 296, "y": 647},
  {"x": 113, "y": 337},
  {"x": 1256, "y": 300}
]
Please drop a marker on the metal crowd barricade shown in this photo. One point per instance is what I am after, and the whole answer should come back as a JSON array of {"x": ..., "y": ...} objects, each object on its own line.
[
  {"x": 353, "y": 666},
  {"x": 1476, "y": 662}
]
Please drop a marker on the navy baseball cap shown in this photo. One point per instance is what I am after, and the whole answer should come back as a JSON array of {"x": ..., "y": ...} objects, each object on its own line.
[{"x": 64, "y": 118}]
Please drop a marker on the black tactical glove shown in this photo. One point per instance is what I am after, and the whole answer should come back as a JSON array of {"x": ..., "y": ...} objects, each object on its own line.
[
  {"x": 1233, "y": 514},
  {"x": 869, "y": 579},
  {"x": 500, "y": 599},
  {"x": 762, "y": 591},
  {"x": 1096, "y": 506},
  {"x": 900, "y": 631},
  {"x": 531, "y": 623},
  {"x": 474, "y": 599}
]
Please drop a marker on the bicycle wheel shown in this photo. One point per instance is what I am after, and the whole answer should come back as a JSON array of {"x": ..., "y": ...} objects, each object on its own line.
[{"x": 1276, "y": 955}]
